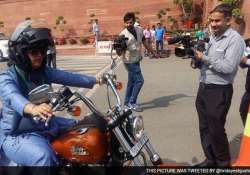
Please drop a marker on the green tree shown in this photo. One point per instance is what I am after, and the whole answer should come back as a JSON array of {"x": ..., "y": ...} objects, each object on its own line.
[
  {"x": 60, "y": 23},
  {"x": 161, "y": 13},
  {"x": 236, "y": 10},
  {"x": 186, "y": 6}
]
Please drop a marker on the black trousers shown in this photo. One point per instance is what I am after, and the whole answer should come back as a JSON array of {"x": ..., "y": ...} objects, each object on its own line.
[
  {"x": 212, "y": 104},
  {"x": 51, "y": 58},
  {"x": 159, "y": 46},
  {"x": 244, "y": 105}
]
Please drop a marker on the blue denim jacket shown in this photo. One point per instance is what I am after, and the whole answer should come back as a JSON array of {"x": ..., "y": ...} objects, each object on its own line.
[{"x": 14, "y": 100}]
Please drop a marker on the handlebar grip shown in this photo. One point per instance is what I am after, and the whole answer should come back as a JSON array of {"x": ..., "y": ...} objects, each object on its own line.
[{"x": 105, "y": 77}]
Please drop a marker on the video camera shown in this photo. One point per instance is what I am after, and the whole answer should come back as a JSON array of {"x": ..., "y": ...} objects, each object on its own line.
[
  {"x": 119, "y": 44},
  {"x": 188, "y": 44}
]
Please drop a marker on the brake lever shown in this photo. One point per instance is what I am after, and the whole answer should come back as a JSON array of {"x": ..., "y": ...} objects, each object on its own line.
[
  {"x": 56, "y": 101},
  {"x": 47, "y": 121}
]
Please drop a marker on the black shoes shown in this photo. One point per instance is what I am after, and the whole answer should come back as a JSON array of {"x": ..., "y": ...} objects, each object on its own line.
[{"x": 206, "y": 163}]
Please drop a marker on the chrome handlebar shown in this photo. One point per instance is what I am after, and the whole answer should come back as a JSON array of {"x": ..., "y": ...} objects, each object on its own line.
[{"x": 109, "y": 79}]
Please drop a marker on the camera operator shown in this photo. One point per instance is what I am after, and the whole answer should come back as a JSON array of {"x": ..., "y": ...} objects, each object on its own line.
[
  {"x": 131, "y": 58},
  {"x": 220, "y": 65},
  {"x": 245, "y": 100}
]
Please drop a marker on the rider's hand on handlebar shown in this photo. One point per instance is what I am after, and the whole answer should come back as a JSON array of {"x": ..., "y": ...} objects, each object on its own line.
[
  {"x": 99, "y": 80},
  {"x": 43, "y": 110}
]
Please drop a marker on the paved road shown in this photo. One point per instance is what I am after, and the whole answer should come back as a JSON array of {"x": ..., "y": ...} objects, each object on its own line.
[
  {"x": 168, "y": 98},
  {"x": 90, "y": 65}
]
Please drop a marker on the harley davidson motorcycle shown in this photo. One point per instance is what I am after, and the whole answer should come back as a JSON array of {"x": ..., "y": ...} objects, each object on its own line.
[{"x": 114, "y": 138}]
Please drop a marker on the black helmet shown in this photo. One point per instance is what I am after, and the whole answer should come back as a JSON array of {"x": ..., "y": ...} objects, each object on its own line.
[{"x": 26, "y": 36}]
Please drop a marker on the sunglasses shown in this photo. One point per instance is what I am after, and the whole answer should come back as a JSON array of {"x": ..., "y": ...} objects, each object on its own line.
[{"x": 37, "y": 50}]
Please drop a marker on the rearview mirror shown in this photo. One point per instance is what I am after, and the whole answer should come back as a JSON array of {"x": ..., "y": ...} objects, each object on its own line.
[{"x": 40, "y": 94}]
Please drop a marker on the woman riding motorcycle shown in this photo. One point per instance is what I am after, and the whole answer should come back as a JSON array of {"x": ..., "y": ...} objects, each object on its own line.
[{"x": 22, "y": 139}]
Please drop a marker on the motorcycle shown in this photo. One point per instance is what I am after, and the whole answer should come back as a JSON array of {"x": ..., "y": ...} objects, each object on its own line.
[{"x": 115, "y": 138}]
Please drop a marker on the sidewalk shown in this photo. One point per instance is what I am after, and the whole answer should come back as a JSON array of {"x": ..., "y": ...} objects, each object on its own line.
[
  {"x": 75, "y": 49},
  {"x": 168, "y": 99},
  {"x": 86, "y": 49},
  {"x": 74, "y": 46}
]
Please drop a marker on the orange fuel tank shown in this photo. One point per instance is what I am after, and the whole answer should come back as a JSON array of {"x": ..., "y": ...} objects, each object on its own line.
[{"x": 83, "y": 145}]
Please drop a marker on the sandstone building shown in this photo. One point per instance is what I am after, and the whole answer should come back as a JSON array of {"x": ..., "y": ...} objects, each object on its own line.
[{"x": 78, "y": 13}]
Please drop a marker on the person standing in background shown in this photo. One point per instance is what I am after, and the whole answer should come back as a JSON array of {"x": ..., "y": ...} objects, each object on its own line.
[
  {"x": 96, "y": 31},
  {"x": 147, "y": 35},
  {"x": 152, "y": 30},
  {"x": 159, "y": 36}
]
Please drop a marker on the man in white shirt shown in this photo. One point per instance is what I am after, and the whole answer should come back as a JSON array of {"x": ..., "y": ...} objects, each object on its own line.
[
  {"x": 148, "y": 36},
  {"x": 96, "y": 31}
]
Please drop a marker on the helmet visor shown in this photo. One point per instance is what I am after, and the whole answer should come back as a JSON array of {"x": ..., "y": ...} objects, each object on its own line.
[{"x": 39, "y": 35}]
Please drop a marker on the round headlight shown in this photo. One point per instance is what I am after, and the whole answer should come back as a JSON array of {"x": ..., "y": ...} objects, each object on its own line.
[{"x": 138, "y": 127}]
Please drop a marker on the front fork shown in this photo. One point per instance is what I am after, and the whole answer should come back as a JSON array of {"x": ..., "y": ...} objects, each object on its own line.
[{"x": 154, "y": 156}]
